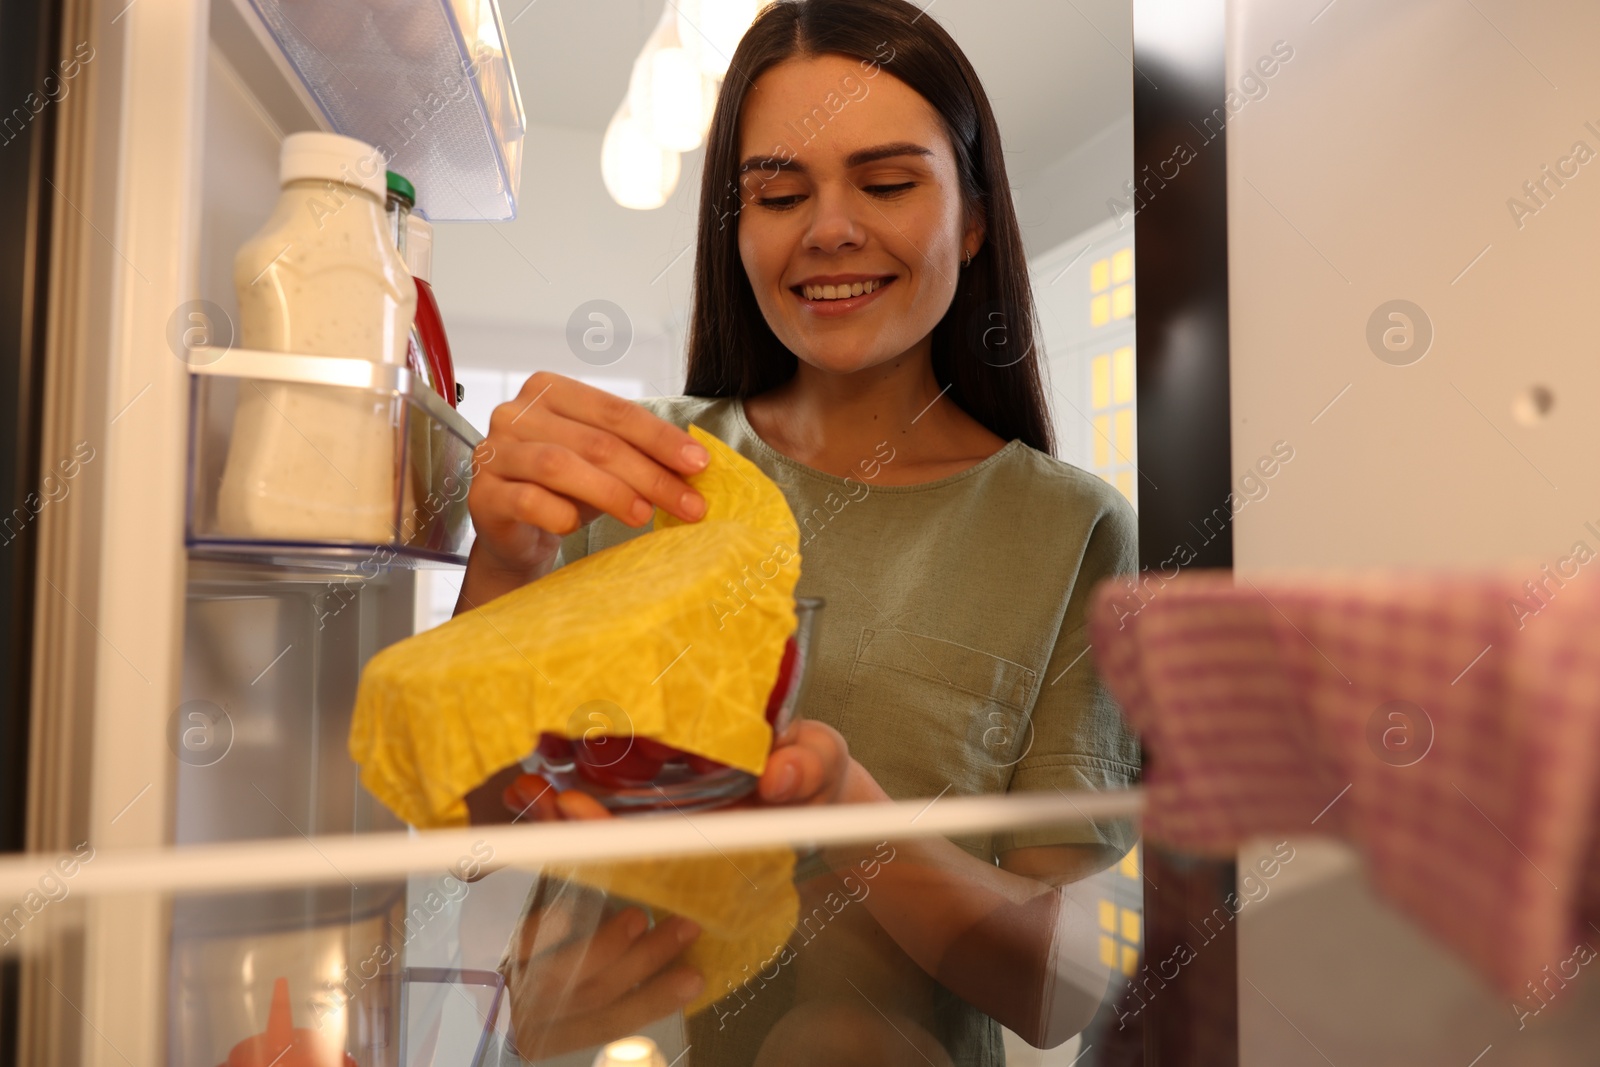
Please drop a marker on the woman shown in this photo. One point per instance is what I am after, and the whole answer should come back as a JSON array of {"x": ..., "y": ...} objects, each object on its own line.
[{"x": 906, "y": 423}]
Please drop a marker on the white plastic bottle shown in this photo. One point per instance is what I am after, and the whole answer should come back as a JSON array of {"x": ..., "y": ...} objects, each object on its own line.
[{"x": 321, "y": 277}]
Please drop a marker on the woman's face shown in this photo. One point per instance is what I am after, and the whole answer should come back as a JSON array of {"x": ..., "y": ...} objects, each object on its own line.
[{"x": 848, "y": 179}]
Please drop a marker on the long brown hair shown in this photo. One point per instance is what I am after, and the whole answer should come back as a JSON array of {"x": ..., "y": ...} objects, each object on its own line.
[{"x": 731, "y": 349}]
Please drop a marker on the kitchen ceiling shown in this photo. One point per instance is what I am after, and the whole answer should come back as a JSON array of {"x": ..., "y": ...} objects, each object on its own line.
[{"x": 1056, "y": 71}]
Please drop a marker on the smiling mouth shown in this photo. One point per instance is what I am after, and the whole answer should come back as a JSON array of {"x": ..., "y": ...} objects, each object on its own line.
[{"x": 822, "y": 294}]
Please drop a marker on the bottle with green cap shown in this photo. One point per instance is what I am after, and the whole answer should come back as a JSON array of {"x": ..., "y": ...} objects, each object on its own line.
[
  {"x": 402, "y": 197},
  {"x": 429, "y": 351}
]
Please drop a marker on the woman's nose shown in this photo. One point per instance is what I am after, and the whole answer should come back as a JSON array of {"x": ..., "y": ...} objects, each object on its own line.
[{"x": 837, "y": 222}]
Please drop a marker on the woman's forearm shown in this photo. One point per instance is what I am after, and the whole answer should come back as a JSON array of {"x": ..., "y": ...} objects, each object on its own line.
[{"x": 988, "y": 935}]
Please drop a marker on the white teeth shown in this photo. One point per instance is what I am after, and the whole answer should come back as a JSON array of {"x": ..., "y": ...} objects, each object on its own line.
[{"x": 840, "y": 292}]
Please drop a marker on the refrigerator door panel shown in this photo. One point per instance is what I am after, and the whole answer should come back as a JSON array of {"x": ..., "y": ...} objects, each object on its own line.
[
  {"x": 1412, "y": 276},
  {"x": 1412, "y": 280}
]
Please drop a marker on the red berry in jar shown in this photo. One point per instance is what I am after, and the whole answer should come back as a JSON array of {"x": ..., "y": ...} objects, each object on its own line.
[
  {"x": 658, "y": 751},
  {"x": 615, "y": 762},
  {"x": 555, "y": 750}
]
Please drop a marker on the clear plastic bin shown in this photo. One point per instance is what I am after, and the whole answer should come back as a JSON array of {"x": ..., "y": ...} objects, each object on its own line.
[{"x": 352, "y": 463}]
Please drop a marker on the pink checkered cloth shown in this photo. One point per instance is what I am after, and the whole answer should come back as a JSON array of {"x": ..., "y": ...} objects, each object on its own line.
[{"x": 1265, "y": 708}]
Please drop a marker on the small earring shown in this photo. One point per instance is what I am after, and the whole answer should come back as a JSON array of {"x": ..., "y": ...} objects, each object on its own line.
[{"x": 968, "y": 262}]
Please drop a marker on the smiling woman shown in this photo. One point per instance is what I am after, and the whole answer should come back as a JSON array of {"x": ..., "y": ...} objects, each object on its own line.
[
  {"x": 832, "y": 325},
  {"x": 907, "y": 183}
]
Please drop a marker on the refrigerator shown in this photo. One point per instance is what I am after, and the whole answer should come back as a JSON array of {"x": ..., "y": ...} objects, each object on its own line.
[
  {"x": 1396, "y": 159},
  {"x": 191, "y": 686}
]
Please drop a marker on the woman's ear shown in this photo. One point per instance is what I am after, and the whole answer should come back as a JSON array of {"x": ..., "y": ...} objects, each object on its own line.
[{"x": 973, "y": 237}]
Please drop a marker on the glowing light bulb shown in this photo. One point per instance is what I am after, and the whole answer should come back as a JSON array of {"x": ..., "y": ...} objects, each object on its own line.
[
  {"x": 666, "y": 97},
  {"x": 638, "y": 172}
]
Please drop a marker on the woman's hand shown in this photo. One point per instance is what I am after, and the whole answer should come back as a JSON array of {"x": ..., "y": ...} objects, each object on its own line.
[
  {"x": 573, "y": 989},
  {"x": 811, "y": 764},
  {"x": 623, "y": 977},
  {"x": 558, "y": 456},
  {"x": 598, "y": 988}
]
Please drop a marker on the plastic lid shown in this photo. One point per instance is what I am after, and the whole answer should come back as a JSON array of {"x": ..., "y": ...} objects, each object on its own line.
[
  {"x": 402, "y": 188},
  {"x": 332, "y": 157},
  {"x": 419, "y": 248}
]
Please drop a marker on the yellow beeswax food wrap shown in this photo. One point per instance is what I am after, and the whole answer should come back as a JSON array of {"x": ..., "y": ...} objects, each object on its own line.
[
  {"x": 681, "y": 628},
  {"x": 745, "y": 903}
]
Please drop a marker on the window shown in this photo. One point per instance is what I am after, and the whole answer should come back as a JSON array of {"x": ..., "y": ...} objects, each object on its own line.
[
  {"x": 1121, "y": 914},
  {"x": 1085, "y": 293}
]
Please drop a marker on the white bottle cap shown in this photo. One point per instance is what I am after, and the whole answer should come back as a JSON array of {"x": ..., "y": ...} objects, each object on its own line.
[
  {"x": 333, "y": 157},
  {"x": 419, "y": 248}
]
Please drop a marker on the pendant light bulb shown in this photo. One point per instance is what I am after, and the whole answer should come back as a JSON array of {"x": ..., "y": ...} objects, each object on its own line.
[
  {"x": 638, "y": 172},
  {"x": 664, "y": 90}
]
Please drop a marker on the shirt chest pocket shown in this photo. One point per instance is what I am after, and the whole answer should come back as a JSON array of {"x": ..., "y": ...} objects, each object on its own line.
[{"x": 923, "y": 714}]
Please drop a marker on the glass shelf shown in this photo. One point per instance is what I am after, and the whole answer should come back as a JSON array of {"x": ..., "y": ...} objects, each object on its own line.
[
  {"x": 429, "y": 82},
  {"x": 462, "y": 947},
  {"x": 324, "y": 463}
]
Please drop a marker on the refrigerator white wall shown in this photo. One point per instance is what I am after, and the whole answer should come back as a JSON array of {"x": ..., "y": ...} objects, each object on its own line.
[{"x": 1377, "y": 165}]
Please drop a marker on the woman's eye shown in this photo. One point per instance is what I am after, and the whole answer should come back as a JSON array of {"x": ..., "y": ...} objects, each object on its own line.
[{"x": 780, "y": 203}]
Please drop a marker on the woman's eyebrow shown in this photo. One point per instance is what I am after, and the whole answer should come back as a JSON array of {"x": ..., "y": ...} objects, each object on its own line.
[{"x": 855, "y": 159}]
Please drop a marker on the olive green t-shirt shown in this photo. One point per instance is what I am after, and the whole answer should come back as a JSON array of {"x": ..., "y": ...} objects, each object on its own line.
[{"x": 952, "y": 655}]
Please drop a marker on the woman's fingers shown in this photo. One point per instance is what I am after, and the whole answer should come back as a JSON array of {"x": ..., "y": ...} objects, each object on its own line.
[
  {"x": 501, "y": 504},
  {"x": 807, "y": 766},
  {"x": 561, "y": 454},
  {"x": 647, "y": 955},
  {"x": 595, "y": 447},
  {"x": 531, "y": 799},
  {"x": 556, "y": 471},
  {"x": 657, "y": 484},
  {"x": 542, "y": 928},
  {"x": 536, "y": 1037},
  {"x": 590, "y": 974},
  {"x": 559, "y": 979},
  {"x": 576, "y": 805},
  {"x": 649, "y": 433}
]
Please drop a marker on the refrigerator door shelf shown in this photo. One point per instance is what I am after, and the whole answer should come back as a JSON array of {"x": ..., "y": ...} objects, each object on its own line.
[
  {"x": 430, "y": 84},
  {"x": 336, "y": 464}
]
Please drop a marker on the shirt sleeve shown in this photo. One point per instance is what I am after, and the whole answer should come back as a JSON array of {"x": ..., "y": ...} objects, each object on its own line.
[{"x": 1079, "y": 738}]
